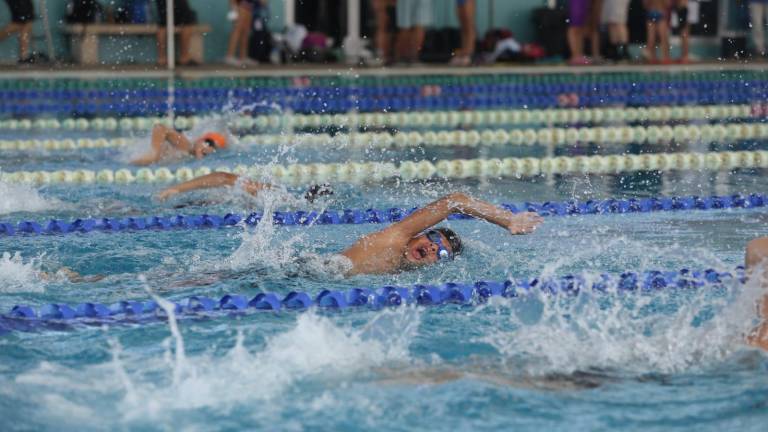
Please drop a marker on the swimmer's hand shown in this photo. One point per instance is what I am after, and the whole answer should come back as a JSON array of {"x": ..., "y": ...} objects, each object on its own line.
[
  {"x": 524, "y": 223},
  {"x": 167, "y": 193},
  {"x": 758, "y": 337}
]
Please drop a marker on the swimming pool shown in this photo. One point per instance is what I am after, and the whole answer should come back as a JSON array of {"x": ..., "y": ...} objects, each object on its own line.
[{"x": 630, "y": 359}]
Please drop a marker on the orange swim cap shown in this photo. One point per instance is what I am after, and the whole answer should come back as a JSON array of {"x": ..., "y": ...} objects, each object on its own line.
[{"x": 217, "y": 139}]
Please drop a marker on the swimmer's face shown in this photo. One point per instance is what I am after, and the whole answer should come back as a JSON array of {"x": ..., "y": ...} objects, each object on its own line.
[
  {"x": 204, "y": 147},
  {"x": 423, "y": 251}
]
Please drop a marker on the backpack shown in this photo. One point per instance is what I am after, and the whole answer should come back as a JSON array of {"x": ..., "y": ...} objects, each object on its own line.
[
  {"x": 260, "y": 45},
  {"x": 439, "y": 45},
  {"x": 83, "y": 11},
  {"x": 551, "y": 27}
]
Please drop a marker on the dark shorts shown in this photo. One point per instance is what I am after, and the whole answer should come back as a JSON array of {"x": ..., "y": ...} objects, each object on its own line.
[
  {"x": 22, "y": 11},
  {"x": 655, "y": 16},
  {"x": 182, "y": 13},
  {"x": 578, "y": 12}
]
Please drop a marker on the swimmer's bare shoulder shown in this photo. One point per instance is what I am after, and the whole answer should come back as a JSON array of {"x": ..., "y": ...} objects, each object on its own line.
[
  {"x": 377, "y": 252},
  {"x": 756, "y": 263}
]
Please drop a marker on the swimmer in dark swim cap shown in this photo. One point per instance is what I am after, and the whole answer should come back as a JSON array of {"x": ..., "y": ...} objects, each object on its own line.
[
  {"x": 167, "y": 141},
  {"x": 405, "y": 245},
  {"x": 414, "y": 242},
  {"x": 224, "y": 179}
]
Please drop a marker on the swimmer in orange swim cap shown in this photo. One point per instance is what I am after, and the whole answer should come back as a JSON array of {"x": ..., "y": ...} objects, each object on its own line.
[{"x": 167, "y": 142}]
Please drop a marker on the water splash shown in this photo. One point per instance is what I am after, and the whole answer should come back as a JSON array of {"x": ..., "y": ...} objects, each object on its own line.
[
  {"x": 24, "y": 198},
  {"x": 16, "y": 275},
  {"x": 667, "y": 331},
  {"x": 150, "y": 391}
]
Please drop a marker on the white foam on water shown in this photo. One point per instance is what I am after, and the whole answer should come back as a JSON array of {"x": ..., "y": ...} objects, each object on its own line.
[
  {"x": 666, "y": 331},
  {"x": 24, "y": 198},
  {"x": 20, "y": 275},
  {"x": 158, "y": 389}
]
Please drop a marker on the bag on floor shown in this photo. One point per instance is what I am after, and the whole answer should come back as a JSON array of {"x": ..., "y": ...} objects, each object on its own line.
[
  {"x": 551, "y": 27},
  {"x": 440, "y": 44},
  {"x": 260, "y": 45}
]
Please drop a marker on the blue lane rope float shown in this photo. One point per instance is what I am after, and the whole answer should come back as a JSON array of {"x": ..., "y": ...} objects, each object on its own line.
[
  {"x": 360, "y": 216},
  {"x": 344, "y": 98},
  {"x": 59, "y": 315}
]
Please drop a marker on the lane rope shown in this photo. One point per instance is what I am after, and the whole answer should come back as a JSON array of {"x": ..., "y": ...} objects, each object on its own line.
[
  {"x": 472, "y": 138},
  {"x": 360, "y": 216},
  {"x": 426, "y": 119},
  {"x": 366, "y": 172},
  {"x": 27, "y": 318}
]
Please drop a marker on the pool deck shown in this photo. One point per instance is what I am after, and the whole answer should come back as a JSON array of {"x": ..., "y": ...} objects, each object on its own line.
[{"x": 215, "y": 70}]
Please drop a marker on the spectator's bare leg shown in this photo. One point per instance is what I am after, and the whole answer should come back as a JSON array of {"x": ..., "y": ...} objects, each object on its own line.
[
  {"x": 245, "y": 18},
  {"x": 663, "y": 28},
  {"x": 401, "y": 44},
  {"x": 185, "y": 36},
  {"x": 466, "y": 14},
  {"x": 576, "y": 42},
  {"x": 25, "y": 35},
  {"x": 596, "y": 8},
  {"x": 9, "y": 30},
  {"x": 416, "y": 41},
  {"x": 651, "y": 41},
  {"x": 234, "y": 37},
  {"x": 162, "y": 47},
  {"x": 756, "y": 15},
  {"x": 594, "y": 42},
  {"x": 383, "y": 40},
  {"x": 685, "y": 35}
]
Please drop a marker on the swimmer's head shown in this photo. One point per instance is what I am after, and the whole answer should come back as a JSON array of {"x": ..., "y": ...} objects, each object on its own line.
[
  {"x": 317, "y": 191},
  {"x": 214, "y": 139},
  {"x": 438, "y": 244}
]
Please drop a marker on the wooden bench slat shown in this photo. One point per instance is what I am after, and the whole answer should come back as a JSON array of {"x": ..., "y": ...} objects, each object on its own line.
[
  {"x": 126, "y": 29},
  {"x": 85, "y": 38}
]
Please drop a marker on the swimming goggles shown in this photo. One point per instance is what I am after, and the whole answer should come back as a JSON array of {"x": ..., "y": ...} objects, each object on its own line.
[
  {"x": 210, "y": 143},
  {"x": 436, "y": 238}
]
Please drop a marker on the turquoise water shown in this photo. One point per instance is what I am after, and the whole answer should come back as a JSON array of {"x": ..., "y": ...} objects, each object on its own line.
[{"x": 657, "y": 361}]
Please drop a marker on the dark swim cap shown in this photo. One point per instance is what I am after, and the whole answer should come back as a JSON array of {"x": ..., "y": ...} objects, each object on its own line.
[
  {"x": 316, "y": 191},
  {"x": 453, "y": 240}
]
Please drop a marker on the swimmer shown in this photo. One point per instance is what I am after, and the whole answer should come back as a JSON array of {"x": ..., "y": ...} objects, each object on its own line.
[
  {"x": 404, "y": 245},
  {"x": 413, "y": 243},
  {"x": 225, "y": 179},
  {"x": 66, "y": 273},
  {"x": 755, "y": 261},
  {"x": 167, "y": 142}
]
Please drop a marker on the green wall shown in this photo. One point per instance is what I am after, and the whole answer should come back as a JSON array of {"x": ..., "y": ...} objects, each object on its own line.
[{"x": 512, "y": 14}]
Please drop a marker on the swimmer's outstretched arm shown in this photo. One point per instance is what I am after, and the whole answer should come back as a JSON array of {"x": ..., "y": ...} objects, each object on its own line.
[
  {"x": 435, "y": 212},
  {"x": 756, "y": 261},
  {"x": 162, "y": 134},
  {"x": 70, "y": 275},
  {"x": 213, "y": 180}
]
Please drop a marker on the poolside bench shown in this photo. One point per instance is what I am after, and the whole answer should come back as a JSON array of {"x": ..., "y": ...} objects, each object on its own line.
[{"x": 84, "y": 38}]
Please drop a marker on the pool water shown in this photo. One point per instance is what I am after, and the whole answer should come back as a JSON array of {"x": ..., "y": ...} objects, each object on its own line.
[{"x": 596, "y": 361}]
